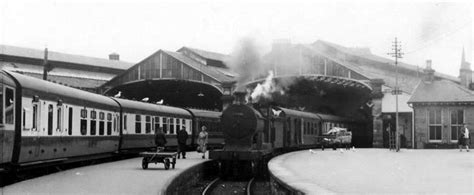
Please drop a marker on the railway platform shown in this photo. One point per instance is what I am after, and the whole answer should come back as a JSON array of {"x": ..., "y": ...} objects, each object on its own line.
[
  {"x": 376, "y": 171},
  {"x": 120, "y": 177}
]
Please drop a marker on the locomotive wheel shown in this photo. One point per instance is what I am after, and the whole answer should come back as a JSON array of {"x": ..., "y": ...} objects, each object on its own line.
[
  {"x": 144, "y": 163},
  {"x": 167, "y": 164}
]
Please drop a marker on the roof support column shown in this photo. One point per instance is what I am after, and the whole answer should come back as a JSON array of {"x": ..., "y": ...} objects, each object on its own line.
[{"x": 377, "y": 95}]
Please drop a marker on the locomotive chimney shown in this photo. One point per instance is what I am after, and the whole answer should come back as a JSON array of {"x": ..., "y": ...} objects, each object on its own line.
[{"x": 240, "y": 97}]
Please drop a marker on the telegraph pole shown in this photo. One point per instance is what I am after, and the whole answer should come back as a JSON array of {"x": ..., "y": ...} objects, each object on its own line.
[{"x": 396, "y": 47}]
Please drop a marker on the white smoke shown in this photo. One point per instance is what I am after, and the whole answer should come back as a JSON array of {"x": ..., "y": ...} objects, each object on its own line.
[{"x": 265, "y": 89}]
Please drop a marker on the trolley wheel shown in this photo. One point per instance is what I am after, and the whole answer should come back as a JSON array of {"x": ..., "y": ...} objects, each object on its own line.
[
  {"x": 173, "y": 165},
  {"x": 145, "y": 163},
  {"x": 167, "y": 164}
]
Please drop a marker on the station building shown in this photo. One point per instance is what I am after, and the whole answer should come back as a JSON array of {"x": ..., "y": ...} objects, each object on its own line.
[
  {"x": 441, "y": 107},
  {"x": 82, "y": 72},
  {"x": 326, "y": 58}
]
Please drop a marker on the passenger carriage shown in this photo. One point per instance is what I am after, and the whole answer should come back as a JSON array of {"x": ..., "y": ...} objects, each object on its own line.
[
  {"x": 140, "y": 120},
  {"x": 44, "y": 122},
  {"x": 211, "y": 120}
]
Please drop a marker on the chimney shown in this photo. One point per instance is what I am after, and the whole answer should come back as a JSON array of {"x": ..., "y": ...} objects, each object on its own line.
[
  {"x": 465, "y": 73},
  {"x": 240, "y": 96},
  {"x": 114, "y": 56},
  {"x": 429, "y": 72}
]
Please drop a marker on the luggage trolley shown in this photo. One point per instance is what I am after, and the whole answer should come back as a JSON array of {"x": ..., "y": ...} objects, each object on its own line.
[{"x": 167, "y": 158}]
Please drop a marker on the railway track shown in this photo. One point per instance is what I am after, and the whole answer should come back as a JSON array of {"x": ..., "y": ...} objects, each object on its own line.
[{"x": 219, "y": 186}]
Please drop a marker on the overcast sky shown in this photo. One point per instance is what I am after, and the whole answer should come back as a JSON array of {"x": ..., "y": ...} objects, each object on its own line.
[{"x": 136, "y": 29}]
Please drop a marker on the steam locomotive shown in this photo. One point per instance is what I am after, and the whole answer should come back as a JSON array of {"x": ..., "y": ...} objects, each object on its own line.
[
  {"x": 43, "y": 123},
  {"x": 255, "y": 134}
]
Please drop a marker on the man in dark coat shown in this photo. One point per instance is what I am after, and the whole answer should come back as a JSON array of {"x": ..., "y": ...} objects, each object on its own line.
[
  {"x": 160, "y": 139},
  {"x": 182, "y": 137}
]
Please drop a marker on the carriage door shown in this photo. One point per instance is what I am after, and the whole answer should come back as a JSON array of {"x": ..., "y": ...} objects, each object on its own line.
[{"x": 7, "y": 121}]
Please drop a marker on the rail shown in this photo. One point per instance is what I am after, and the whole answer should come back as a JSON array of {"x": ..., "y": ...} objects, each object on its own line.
[{"x": 219, "y": 186}]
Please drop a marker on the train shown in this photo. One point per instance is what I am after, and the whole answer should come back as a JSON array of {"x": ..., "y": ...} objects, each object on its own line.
[
  {"x": 255, "y": 133},
  {"x": 44, "y": 123}
]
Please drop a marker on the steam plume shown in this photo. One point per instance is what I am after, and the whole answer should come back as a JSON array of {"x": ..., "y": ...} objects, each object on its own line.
[{"x": 246, "y": 61}]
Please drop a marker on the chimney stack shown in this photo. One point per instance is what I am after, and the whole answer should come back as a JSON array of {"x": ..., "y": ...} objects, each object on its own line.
[
  {"x": 114, "y": 56},
  {"x": 429, "y": 72}
]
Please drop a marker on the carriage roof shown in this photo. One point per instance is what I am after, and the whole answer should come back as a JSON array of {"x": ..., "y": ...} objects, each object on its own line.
[
  {"x": 52, "y": 91},
  {"x": 133, "y": 106}
]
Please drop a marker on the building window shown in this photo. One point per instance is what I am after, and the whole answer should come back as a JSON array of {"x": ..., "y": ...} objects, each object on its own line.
[
  {"x": 457, "y": 120},
  {"x": 434, "y": 124}
]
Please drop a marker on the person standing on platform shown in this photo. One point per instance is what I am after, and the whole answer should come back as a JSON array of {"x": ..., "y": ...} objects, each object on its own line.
[
  {"x": 202, "y": 141},
  {"x": 160, "y": 139},
  {"x": 464, "y": 138},
  {"x": 182, "y": 137}
]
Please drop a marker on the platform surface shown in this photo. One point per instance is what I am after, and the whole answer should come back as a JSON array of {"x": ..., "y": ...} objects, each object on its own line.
[
  {"x": 377, "y": 171},
  {"x": 120, "y": 177}
]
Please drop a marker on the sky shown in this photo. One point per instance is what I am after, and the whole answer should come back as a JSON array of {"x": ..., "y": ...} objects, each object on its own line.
[{"x": 427, "y": 29}]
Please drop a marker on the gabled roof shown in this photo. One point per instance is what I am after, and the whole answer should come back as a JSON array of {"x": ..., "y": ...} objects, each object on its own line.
[
  {"x": 441, "y": 91},
  {"x": 63, "y": 57},
  {"x": 377, "y": 69},
  {"x": 365, "y": 53},
  {"x": 213, "y": 72},
  {"x": 208, "y": 54}
]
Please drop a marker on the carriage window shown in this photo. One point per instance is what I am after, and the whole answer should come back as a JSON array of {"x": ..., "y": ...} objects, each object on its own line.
[
  {"x": 178, "y": 125},
  {"x": 115, "y": 124},
  {"x": 171, "y": 122},
  {"x": 153, "y": 124},
  {"x": 84, "y": 121},
  {"x": 165, "y": 125},
  {"x": 83, "y": 126},
  {"x": 125, "y": 122},
  {"x": 93, "y": 122},
  {"x": 147, "y": 124},
  {"x": 50, "y": 119},
  {"x": 101, "y": 123},
  {"x": 70, "y": 122},
  {"x": 9, "y": 106},
  {"x": 138, "y": 124},
  {"x": 157, "y": 123},
  {"x": 1, "y": 103},
  {"x": 109, "y": 124},
  {"x": 83, "y": 113},
  {"x": 59, "y": 121},
  {"x": 24, "y": 118},
  {"x": 35, "y": 115}
]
